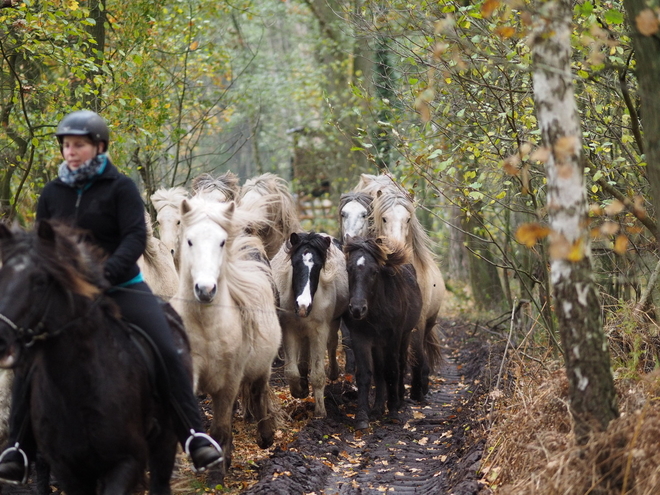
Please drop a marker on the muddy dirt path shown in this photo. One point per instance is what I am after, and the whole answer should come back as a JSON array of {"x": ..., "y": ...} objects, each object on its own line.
[{"x": 433, "y": 448}]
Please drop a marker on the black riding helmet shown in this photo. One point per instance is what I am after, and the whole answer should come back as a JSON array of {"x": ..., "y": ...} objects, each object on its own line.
[{"x": 84, "y": 123}]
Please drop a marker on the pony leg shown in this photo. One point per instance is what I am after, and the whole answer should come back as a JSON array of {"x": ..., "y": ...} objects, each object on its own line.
[
  {"x": 317, "y": 347},
  {"x": 292, "y": 357},
  {"x": 419, "y": 366},
  {"x": 333, "y": 343},
  {"x": 223, "y": 407},
  {"x": 261, "y": 407},
  {"x": 392, "y": 373},
  {"x": 363, "y": 372},
  {"x": 120, "y": 479},
  {"x": 162, "y": 452},
  {"x": 378, "y": 357},
  {"x": 347, "y": 346}
]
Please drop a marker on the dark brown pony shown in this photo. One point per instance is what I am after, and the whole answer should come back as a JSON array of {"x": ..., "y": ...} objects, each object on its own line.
[
  {"x": 95, "y": 418},
  {"x": 384, "y": 306}
]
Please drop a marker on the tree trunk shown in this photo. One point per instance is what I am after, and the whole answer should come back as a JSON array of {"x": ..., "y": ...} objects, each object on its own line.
[
  {"x": 647, "y": 55},
  {"x": 576, "y": 300}
]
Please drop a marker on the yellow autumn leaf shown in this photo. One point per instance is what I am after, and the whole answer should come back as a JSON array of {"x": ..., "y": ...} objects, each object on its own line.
[
  {"x": 647, "y": 22},
  {"x": 576, "y": 253},
  {"x": 504, "y": 32},
  {"x": 73, "y": 5},
  {"x": 193, "y": 46},
  {"x": 530, "y": 233},
  {"x": 621, "y": 244}
]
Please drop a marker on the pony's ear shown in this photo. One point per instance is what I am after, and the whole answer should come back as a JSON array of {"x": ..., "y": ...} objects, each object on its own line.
[
  {"x": 185, "y": 207},
  {"x": 5, "y": 232},
  {"x": 294, "y": 239},
  {"x": 45, "y": 231},
  {"x": 379, "y": 240},
  {"x": 327, "y": 240},
  {"x": 231, "y": 207}
]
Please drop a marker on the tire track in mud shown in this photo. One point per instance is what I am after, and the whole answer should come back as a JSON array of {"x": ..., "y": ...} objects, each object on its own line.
[{"x": 429, "y": 449}]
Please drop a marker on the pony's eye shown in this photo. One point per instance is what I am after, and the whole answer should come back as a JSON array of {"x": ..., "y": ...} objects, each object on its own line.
[
  {"x": 408, "y": 221},
  {"x": 384, "y": 220},
  {"x": 178, "y": 222},
  {"x": 364, "y": 215},
  {"x": 343, "y": 214},
  {"x": 222, "y": 244},
  {"x": 189, "y": 243}
]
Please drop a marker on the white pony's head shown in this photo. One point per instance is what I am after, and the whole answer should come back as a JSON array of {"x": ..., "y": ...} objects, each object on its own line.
[
  {"x": 354, "y": 214},
  {"x": 205, "y": 238}
]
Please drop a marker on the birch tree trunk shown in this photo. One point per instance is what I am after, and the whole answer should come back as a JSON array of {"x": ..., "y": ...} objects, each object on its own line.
[{"x": 576, "y": 300}]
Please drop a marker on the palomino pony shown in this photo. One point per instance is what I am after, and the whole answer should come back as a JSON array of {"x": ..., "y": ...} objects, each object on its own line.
[
  {"x": 157, "y": 265},
  {"x": 279, "y": 210},
  {"x": 222, "y": 189},
  {"x": 226, "y": 300},
  {"x": 94, "y": 412},
  {"x": 166, "y": 203},
  {"x": 310, "y": 273},
  {"x": 394, "y": 218},
  {"x": 384, "y": 307}
]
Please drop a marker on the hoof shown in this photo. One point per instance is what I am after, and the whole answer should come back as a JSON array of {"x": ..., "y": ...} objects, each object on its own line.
[{"x": 361, "y": 424}]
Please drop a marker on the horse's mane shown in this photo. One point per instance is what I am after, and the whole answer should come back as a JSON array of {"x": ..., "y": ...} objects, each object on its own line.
[
  {"x": 151, "y": 248},
  {"x": 227, "y": 184},
  {"x": 361, "y": 197},
  {"x": 418, "y": 240},
  {"x": 371, "y": 184},
  {"x": 385, "y": 251},
  {"x": 168, "y": 197},
  {"x": 278, "y": 204},
  {"x": 74, "y": 264}
]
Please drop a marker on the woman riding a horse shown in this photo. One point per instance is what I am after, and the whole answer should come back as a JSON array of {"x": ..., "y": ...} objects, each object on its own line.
[{"x": 91, "y": 194}]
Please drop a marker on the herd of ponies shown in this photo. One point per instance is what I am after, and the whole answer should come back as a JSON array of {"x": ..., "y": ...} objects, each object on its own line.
[{"x": 250, "y": 285}]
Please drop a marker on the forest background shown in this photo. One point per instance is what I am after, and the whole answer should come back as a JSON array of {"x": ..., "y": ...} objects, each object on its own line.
[{"x": 439, "y": 94}]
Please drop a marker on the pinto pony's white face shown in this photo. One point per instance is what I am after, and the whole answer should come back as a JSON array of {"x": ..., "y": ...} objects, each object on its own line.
[
  {"x": 354, "y": 220},
  {"x": 395, "y": 223}
]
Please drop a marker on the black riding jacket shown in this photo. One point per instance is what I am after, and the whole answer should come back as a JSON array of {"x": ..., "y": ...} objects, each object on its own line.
[{"x": 110, "y": 208}]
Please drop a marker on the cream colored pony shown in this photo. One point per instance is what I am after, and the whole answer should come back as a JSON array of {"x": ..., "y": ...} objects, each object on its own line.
[
  {"x": 157, "y": 265},
  {"x": 227, "y": 303},
  {"x": 279, "y": 210},
  {"x": 166, "y": 203},
  {"x": 223, "y": 188}
]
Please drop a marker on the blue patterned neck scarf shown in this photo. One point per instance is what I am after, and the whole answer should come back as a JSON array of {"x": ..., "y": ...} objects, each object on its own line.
[{"x": 83, "y": 174}]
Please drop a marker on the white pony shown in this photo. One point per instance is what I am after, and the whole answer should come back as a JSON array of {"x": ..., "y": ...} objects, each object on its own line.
[
  {"x": 279, "y": 211},
  {"x": 394, "y": 217},
  {"x": 166, "y": 203},
  {"x": 226, "y": 301},
  {"x": 354, "y": 214},
  {"x": 157, "y": 265},
  {"x": 371, "y": 184},
  {"x": 310, "y": 273}
]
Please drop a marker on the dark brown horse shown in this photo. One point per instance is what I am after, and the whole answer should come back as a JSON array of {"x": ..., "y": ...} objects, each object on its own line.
[
  {"x": 384, "y": 306},
  {"x": 94, "y": 414}
]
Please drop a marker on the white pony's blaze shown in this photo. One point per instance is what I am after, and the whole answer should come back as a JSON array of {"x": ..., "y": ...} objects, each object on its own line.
[
  {"x": 354, "y": 220},
  {"x": 396, "y": 224},
  {"x": 304, "y": 299}
]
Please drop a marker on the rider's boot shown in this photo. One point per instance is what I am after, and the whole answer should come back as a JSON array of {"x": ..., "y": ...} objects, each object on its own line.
[{"x": 203, "y": 451}]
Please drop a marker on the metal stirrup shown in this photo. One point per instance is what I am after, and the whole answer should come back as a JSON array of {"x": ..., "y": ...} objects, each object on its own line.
[
  {"x": 198, "y": 434},
  {"x": 17, "y": 448}
]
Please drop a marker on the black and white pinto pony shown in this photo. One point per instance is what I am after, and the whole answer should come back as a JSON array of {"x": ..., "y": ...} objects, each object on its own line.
[
  {"x": 268, "y": 195},
  {"x": 227, "y": 303},
  {"x": 310, "y": 273},
  {"x": 384, "y": 306},
  {"x": 95, "y": 416},
  {"x": 394, "y": 218}
]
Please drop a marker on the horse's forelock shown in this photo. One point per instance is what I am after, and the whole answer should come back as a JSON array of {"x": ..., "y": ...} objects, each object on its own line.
[
  {"x": 168, "y": 197},
  {"x": 316, "y": 241}
]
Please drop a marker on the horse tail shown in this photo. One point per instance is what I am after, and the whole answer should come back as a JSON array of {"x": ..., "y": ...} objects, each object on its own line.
[
  {"x": 251, "y": 406},
  {"x": 433, "y": 348}
]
